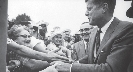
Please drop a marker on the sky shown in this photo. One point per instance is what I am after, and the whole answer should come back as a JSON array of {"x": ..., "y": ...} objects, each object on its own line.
[{"x": 67, "y": 14}]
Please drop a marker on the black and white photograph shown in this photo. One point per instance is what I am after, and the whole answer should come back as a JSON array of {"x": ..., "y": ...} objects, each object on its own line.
[{"x": 66, "y": 36}]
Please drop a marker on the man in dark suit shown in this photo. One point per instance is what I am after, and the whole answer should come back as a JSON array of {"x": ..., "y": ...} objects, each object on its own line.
[
  {"x": 81, "y": 48},
  {"x": 116, "y": 47}
]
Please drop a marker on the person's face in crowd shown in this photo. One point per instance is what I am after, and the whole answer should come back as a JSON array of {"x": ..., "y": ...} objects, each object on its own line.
[
  {"x": 94, "y": 13},
  {"x": 57, "y": 40},
  {"x": 85, "y": 31},
  {"x": 31, "y": 29},
  {"x": 23, "y": 38},
  {"x": 67, "y": 33},
  {"x": 67, "y": 38},
  {"x": 72, "y": 40},
  {"x": 43, "y": 26}
]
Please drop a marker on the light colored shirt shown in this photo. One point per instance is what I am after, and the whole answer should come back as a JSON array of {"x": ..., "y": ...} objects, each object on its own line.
[
  {"x": 35, "y": 41},
  {"x": 104, "y": 28},
  {"x": 65, "y": 43},
  {"x": 85, "y": 44}
]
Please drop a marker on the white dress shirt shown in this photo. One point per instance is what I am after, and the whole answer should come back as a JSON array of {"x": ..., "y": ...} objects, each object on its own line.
[
  {"x": 84, "y": 43},
  {"x": 104, "y": 28}
]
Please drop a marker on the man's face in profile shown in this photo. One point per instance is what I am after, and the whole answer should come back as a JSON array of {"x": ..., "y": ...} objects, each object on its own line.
[{"x": 94, "y": 13}]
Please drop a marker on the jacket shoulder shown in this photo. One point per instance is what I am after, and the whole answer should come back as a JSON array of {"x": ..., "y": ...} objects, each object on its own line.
[{"x": 125, "y": 23}]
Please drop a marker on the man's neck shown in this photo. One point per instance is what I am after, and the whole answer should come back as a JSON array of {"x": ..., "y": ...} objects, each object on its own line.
[{"x": 105, "y": 20}]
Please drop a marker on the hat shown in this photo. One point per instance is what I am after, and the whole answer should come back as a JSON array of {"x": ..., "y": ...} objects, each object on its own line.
[
  {"x": 129, "y": 12},
  {"x": 86, "y": 25},
  {"x": 67, "y": 30},
  {"x": 55, "y": 33},
  {"x": 43, "y": 24}
]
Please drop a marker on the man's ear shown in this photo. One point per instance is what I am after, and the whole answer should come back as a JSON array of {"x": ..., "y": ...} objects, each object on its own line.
[{"x": 105, "y": 7}]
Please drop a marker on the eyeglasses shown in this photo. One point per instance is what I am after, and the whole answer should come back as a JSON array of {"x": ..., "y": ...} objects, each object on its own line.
[
  {"x": 25, "y": 36},
  {"x": 86, "y": 29}
]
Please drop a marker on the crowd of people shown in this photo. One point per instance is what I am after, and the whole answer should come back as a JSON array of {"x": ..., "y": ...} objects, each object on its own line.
[
  {"x": 104, "y": 44},
  {"x": 25, "y": 34}
]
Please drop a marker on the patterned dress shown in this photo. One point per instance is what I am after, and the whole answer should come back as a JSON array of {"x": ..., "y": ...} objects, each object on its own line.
[{"x": 13, "y": 56}]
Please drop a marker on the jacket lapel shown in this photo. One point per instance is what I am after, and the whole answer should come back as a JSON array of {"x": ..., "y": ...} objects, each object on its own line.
[
  {"x": 93, "y": 38},
  {"x": 91, "y": 47},
  {"x": 108, "y": 34}
]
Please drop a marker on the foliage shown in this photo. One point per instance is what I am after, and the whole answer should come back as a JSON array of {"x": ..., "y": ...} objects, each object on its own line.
[{"x": 22, "y": 17}]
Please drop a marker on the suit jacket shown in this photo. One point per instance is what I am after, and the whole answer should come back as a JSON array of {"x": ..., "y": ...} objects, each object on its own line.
[
  {"x": 79, "y": 49},
  {"x": 115, "y": 51}
]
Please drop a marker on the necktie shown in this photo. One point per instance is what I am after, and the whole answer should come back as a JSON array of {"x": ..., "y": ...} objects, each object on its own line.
[
  {"x": 98, "y": 39},
  {"x": 86, "y": 50}
]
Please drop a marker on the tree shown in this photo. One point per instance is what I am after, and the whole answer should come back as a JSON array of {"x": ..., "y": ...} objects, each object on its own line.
[{"x": 22, "y": 17}]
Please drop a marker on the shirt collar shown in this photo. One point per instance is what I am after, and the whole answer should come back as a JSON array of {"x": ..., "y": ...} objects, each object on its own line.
[
  {"x": 84, "y": 42},
  {"x": 105, "y": 27}
]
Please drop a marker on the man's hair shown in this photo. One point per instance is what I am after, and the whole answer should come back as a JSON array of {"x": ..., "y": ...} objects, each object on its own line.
[{"x": 111, "y": 4}]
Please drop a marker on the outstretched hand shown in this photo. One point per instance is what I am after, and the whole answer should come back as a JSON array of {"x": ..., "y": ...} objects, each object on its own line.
[
  {"x": 56, "y": 57},
  {"x": 61, "y": 66},
  {"x": 50, "y": 68}
]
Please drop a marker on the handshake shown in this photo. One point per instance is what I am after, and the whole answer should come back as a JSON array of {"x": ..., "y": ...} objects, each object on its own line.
[{"x": 62, "y": 65}]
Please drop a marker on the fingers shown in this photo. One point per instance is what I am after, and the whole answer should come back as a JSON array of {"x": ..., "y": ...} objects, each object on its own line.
[
  {"x": 52, "y": 63},
  {"x": 15, "y": 62},
  {"x": 50, "y": 68}
]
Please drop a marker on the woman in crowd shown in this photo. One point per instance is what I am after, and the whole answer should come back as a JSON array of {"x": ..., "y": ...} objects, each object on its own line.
[
  {"x": 56, "y": 46},
  {"x": 20, "y": 35}
]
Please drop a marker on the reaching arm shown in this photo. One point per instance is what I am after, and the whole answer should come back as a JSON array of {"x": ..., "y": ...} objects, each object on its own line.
[
  {"x": 25, "y": 51},
  {"x": 34, "y": 64}
]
